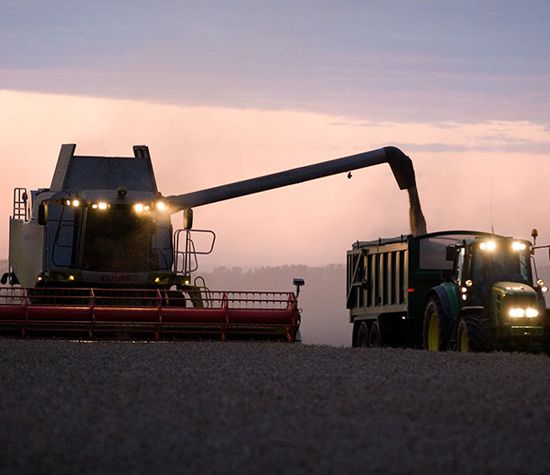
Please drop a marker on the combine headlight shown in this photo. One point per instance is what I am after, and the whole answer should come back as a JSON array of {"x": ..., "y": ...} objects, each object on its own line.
[
  {"x": 488, "y": 246},
  {"x": 74, "y": 202},
  {"x": 101, "y": 205},
  {"x": 161, "y": 206},
  {"x": 518, "y": 246},
  {"x": 141, "y": 207},
  {"x": 520, "y": 312}
]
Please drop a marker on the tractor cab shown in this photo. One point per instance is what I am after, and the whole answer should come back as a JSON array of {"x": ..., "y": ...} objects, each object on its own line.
[
  {"x": 482, "y": 262},
  {"x": 497, "y": 290}
]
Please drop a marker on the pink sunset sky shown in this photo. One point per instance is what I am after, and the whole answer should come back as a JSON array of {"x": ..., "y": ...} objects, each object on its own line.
[{"x": 222, "y": 93}]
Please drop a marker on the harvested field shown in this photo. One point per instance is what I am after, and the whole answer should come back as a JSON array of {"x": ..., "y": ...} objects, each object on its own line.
[{"x": 246, "y": 407}]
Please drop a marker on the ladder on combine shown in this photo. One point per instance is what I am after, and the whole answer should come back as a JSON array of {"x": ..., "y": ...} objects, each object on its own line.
[{"x": 21, "y": 204}]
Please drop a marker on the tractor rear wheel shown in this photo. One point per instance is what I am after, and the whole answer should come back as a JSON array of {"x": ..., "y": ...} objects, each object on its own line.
[
  {"x": 436, "y": 327},
  {"x": 375, "y": 337},
  {"x": 473, "y": 334},
  {"x": 363, "y": 335}
]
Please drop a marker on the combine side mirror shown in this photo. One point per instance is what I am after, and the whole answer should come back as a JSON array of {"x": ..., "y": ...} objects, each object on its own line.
[
  {"x": 42, "y": 214},
  {"x": 451, "y": 253},
  {"x": 187, "y": 218}
]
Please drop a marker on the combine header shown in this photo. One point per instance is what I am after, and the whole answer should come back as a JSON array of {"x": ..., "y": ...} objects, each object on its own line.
[{"x": 95, "y": 254}]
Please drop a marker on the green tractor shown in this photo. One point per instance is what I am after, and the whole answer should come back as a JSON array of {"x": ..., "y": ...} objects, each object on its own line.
[{"x": 492, "y": 300}]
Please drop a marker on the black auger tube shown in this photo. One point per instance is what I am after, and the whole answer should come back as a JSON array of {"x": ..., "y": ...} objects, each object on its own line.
[{"x": 400, "y": 164}]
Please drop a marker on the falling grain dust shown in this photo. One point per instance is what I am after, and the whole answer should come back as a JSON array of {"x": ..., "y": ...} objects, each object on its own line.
[{"x": 418, "y": 222}]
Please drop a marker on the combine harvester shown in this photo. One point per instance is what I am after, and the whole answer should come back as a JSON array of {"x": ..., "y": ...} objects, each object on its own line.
[{"x": 94, "y": 255}]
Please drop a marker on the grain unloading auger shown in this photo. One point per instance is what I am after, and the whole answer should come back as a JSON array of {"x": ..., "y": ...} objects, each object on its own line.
[{"x": 95, "y": 253}]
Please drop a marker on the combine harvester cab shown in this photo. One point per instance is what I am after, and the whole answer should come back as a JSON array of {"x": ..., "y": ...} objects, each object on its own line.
[
  {"x": 450, "y": 290},
  {"x": 95, "y": 255}
]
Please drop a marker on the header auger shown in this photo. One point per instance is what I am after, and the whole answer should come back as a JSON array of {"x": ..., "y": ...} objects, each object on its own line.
[{"x": 95, "y": 253}]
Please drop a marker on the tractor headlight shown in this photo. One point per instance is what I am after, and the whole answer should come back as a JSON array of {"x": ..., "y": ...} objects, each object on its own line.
[
  {"x": 516, "y": 312},
  {"x": 521, "y": 312},
  {"x": 531, "y": 312}
]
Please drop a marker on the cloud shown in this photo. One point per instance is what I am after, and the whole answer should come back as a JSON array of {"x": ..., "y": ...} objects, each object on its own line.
[{"x": 434, "y": 63}]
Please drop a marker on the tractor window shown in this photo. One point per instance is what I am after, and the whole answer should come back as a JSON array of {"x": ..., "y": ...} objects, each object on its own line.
[{"x": 502, "y": 264}]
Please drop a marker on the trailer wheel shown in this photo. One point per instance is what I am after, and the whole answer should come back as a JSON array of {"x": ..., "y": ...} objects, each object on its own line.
[
  {"x": 363, "y": 335},
  {"x": 375, "y": 338},
  {"x": 436, "y": 327},
  {"x": 473, "y": 334}
]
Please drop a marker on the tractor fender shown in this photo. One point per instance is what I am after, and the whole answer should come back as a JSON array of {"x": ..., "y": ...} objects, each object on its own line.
[{"x": 447, "y": 295}]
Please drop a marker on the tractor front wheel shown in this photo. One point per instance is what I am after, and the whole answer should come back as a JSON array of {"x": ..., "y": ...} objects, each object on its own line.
[{"x": 473, "y": 334}]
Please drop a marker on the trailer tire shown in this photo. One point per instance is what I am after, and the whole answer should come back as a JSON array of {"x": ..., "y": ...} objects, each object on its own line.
[
  {"x": 437, "y": 327},
  {"x": 363, "y": 335},
  {"x": 473, "y": 334},
  {"x": 375, "y": 337}
]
